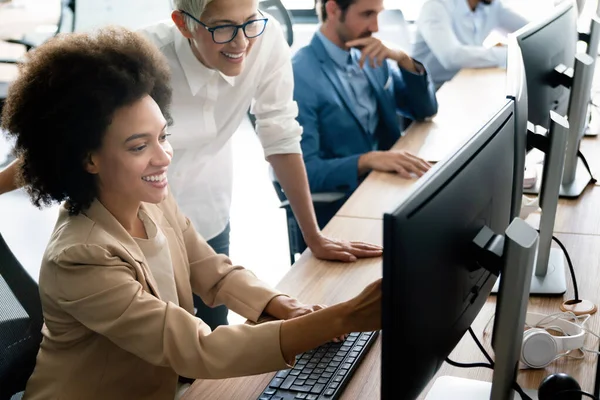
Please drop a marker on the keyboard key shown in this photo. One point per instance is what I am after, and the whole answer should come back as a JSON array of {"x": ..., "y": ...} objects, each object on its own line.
[
  {"x": 283, "y": 373},
  {"x": 312, "y": 397},
  {"x": 300, "y": 396},
  {"x": 276, "y": 382},
  {"x": 289, "y": 381},
  {"x": 301, "y": 388},
  {"x": 312, "y": 381},
  {"x": 323, "y": 380},
  {"x": 318, "y": 388},
  {"x": 303, "y": 377},
  {"x": 269, "y": 391},
  {"x": 329, "y": 392}
]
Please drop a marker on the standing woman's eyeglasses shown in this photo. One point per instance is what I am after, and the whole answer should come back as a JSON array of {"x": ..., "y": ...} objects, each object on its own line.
[{"x": 226, "y": 33}]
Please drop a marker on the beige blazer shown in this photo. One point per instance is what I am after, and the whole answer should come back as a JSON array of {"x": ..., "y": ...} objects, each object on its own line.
[{"x": 107, "y": 333}]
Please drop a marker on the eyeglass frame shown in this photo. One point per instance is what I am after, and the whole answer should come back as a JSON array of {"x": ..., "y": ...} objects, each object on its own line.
[{"x": 238, "y": 27}]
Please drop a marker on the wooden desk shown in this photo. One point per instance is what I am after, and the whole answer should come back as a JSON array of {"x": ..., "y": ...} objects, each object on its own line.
[
  {"x": 459, "y": 117},
  {"x": 317, "y": 281}
]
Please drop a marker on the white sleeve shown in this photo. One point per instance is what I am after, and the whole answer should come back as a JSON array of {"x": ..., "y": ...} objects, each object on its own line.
[
  {"x": 435, "y": 25},
  {"x": 274, "y": 105}
]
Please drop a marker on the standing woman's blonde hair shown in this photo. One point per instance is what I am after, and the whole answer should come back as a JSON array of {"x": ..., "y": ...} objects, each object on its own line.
[{"x": 193, "y": 7}]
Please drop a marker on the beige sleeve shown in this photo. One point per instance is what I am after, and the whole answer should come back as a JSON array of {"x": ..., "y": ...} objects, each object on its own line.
[
  {"x": 100, "y": 291},
  {"x": 214, "y": 278}
]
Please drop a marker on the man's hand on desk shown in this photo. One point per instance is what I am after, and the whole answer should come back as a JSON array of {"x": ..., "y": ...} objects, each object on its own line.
[
  {"x": 325, "y": 248},
  {"x": 402, "y": 162}
]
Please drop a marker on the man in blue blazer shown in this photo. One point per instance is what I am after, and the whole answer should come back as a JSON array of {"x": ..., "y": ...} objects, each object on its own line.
[{"x": 352, "y": 103}]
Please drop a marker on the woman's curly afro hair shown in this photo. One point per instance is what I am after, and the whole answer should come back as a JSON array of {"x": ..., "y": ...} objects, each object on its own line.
[{"x": 61, "y": 104}]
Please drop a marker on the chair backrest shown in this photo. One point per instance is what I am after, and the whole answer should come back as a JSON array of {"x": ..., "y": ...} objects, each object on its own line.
[
  {"x": 21, "y": 323},
  {"x": 282, "y": 15}
]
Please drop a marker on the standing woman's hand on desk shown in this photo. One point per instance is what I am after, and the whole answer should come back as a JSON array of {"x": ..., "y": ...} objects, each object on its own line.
[
  {"x": 402, "y": 162},
  {"x": 325, "y": 248}
]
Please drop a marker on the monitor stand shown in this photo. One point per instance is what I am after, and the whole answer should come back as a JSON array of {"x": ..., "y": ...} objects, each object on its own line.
[
  {"x": 455, "y": 388},
  {"x": 553, "y": 283},
  {"x": 571, "y": 190}
]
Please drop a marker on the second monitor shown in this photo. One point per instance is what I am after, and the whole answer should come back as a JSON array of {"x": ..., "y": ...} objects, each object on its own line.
[{"x": 445, "y": 247}]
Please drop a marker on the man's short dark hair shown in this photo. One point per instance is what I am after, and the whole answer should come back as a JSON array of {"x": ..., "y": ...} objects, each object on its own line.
[
  {"x": 65, "y": 96},
  {"x": 342, "y": 4}
]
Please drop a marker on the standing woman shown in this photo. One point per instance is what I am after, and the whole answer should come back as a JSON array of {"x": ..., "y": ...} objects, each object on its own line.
[{"x": 90, "y": 115}]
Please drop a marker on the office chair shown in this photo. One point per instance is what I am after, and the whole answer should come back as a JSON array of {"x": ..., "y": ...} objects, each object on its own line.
[
  {"x": 65, "y": 23},
  {"x": 282, "y": 15},
  {"x": 276, "y": 9},
  {"x": 21, "y": 323},
  {"x": 321, "y": 201}
]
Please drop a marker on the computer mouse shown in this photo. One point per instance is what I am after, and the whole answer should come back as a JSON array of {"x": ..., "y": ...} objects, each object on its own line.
[{"x": 559, "y": 386}]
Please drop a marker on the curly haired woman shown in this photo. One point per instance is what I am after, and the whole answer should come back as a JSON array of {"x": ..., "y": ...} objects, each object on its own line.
[{"x": 90, "y": 115}]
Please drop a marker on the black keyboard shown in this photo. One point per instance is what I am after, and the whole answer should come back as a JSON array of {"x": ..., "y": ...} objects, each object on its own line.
[{"x": 321, "y": 373}]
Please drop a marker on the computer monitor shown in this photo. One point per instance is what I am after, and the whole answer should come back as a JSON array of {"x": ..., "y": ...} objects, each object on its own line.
[
  {"x": 443, "y": 253},
  {"x": 549, "y": 275},
  {"x": 560, "y": 80},
  {"x": 545, "y": 44},
  {"x": 516, "y": 90}
]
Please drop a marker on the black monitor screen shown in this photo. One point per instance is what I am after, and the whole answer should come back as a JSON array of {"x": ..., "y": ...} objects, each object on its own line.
[
  {"x": 432, "y": 286},
  {"x": 545, "y": 45}
]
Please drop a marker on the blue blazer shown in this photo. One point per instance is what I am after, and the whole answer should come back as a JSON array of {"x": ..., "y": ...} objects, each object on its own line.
[{"x": 333, "y": 138}]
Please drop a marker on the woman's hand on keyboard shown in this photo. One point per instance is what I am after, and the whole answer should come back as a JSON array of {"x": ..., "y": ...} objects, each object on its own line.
[{"x": 284, "y": 307}]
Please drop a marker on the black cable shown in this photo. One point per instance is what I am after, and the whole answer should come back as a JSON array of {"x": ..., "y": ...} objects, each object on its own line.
[
  {"x": 586, "y": 165},
  {"x": 481, "y": 348},
  {"x": 470, "y": 365},
  {"x": 570, "y": 264},
  {"x": 517, "y": 388},
  {"x": 571, "y": 269}
]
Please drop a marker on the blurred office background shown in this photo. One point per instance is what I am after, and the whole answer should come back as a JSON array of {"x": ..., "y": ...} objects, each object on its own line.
[{"x": 259, "y": 231}]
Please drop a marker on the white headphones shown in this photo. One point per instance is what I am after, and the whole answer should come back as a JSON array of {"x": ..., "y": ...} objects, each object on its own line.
[{"x": 540, "y": 348}]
